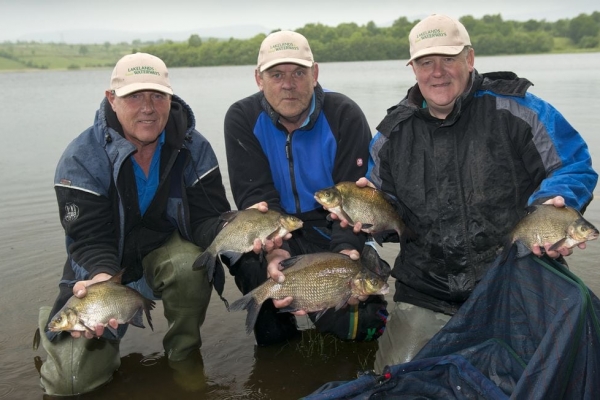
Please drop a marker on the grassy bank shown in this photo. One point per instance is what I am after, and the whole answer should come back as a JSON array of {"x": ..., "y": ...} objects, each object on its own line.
[{"x": 31, "y": 56}]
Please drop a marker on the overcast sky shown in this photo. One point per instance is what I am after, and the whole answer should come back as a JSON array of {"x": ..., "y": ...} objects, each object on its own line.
[{"x": 22, "y": 17}]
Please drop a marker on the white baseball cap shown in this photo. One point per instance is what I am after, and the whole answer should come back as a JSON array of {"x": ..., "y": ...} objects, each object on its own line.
[
  {"x": 140, "y": 71},
  {"x": 284, "y": 47},
  {"x": 437, "y": 34}
]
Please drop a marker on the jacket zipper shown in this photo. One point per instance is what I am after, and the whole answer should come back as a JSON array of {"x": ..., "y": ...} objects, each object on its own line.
[{"x": 289, "y": 156}]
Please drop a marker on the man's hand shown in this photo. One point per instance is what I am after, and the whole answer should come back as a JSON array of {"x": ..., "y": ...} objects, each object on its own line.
[
  {"x": 557, "y": 201},
  {"x": 274, "y": 272},
  {"x": 80, "y": 290},
  {"x": 354, "y": 255}
]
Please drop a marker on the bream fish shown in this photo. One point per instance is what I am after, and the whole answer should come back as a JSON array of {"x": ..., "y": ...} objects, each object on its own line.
[
  {"x": 103, "y": 301},
  {"x": 369, "y": 206},
  {"x": 561, "y": 226},
  {"x": 317, "y": 282},
  {"x": 241, "y": 229}
]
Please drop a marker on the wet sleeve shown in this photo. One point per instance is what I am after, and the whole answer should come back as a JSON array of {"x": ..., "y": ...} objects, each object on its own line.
[{"x": 565, "y": 157}]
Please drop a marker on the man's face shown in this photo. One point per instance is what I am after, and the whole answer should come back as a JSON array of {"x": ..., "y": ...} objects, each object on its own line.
[
  {"x": 143, "y": 115},
  {"x": 442, "y": 79},
  {"x": 289, "y": 88}
]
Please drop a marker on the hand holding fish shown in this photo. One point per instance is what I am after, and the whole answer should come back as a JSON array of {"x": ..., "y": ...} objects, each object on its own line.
[
  {"x": 557, "y": 201},
  {"x": 361, "y": 182},
  {"x": 80, "y": 290},
  {"x": 552, "y": 228},
  {"x": 274, "y": 271},
  {"x": 270, "y": 244},
  {"x": 354, "y": 255}
]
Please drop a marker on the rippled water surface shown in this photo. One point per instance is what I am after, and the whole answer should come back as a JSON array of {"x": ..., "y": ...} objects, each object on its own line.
[{"x": 42, "y": 111}]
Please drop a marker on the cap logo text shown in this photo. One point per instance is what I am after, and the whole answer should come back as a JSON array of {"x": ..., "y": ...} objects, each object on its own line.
[
  {"x": 142, "y": 70},
  {"x": 283, "y": 46},
  {"x": 432, "y": 33}
]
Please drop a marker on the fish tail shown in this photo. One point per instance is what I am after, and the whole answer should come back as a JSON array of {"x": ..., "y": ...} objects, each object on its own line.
[{"x": 249, "y": 303}]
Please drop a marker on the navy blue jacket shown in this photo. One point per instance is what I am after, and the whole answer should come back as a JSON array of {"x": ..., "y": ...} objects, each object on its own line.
[
  {"x": 285, "y": 169},
  {"x": 98, "y": 204}
]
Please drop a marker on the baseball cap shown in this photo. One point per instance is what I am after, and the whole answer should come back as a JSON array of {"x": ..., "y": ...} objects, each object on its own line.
[
  {"x": 437, "y": 34},
  {"x": 140, "y": 71},
  {"x": 284, "y": 47}
]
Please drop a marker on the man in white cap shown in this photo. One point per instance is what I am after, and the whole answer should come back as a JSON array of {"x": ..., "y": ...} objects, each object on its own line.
[
  {"x": 465, "y": 154},
  {"x": 140, "y": 191},
  {"x": 284, "y": 143}
]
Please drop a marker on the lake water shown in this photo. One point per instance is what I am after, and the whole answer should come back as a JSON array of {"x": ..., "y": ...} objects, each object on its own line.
[{"x": 41, "y": 112}]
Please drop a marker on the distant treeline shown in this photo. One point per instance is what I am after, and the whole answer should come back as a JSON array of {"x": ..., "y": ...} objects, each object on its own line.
[{"x": 490, "y": 35}]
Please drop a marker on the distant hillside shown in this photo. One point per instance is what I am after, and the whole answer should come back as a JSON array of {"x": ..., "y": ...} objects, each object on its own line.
[{"x": 88, "y": 36}]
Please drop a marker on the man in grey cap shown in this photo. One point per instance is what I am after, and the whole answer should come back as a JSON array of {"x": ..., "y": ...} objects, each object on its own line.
[
  {"x": 464, "y": 153},
  {"x": 284, "y": 143},
  {"x": 140, "y": 191}
]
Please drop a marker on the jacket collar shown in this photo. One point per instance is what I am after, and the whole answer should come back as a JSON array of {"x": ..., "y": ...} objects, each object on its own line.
[{"x": 502, "y": 83}]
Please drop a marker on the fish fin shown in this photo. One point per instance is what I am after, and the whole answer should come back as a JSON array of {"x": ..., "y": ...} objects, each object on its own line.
[
  {"x": 289, "y": 262},
  {"x": 233, "y": 256},
  {"x": 136, "y": 320},
  {"x": 342, "y": 302},
  {"x": 113, "y": 331},
  {"x": 507, "y": 244},
  {"x": 117, "y": 277},
  {"x": 375, "y": 238},
  {"x": 559, "y": 244},
  {"x": 287, "y": 309},
  {"x": 319, "y": 314},
  {"x": 343, "y": 214},
  {"x": 208, "y": 258},
  {"x": 248, "y": 303},
  {"x": 37, "y": 337},
  {"x": 87, "y": 328},
  {"x": 371, "y": 260},
  {"x": 228, "y": 216},
  {"x": 149, "y": 305},
  {"x": 530, "y": 209},
  {"x": 366, "y": 226},
  {"x": 522, "y": 249}
]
